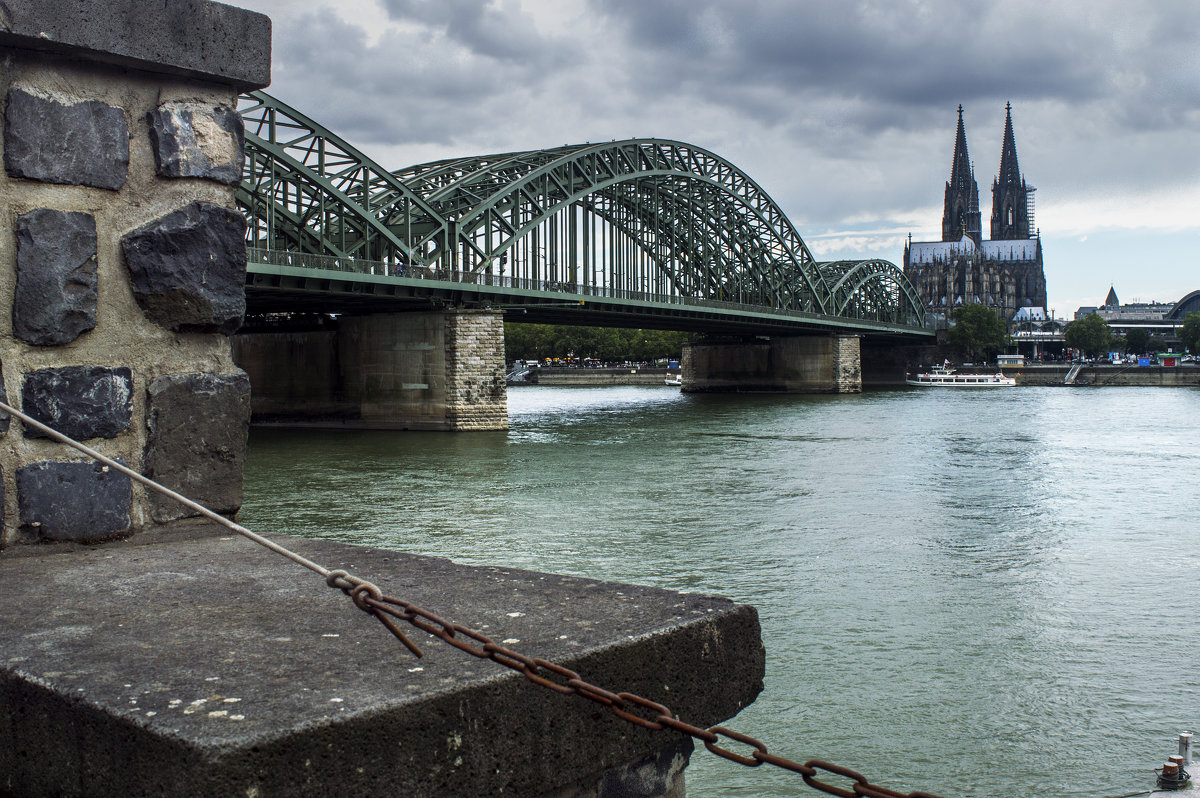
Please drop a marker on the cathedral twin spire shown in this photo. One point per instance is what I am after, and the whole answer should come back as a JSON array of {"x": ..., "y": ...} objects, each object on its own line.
[
  {"x": 1010, "y": 194},
  {"x": 961, "y": 215}
]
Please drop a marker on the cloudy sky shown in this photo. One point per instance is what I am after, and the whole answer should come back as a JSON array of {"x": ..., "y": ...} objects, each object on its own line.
[{"x": 843, "y": 110}]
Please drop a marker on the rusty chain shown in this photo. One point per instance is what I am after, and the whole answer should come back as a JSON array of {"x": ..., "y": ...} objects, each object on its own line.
[
  {"x": 371, "y": 600},
  {"x": 627, "y": 706}
]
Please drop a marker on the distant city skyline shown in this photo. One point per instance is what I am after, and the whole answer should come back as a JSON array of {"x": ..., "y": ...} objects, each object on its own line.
[{"x": 844, "y": 113}]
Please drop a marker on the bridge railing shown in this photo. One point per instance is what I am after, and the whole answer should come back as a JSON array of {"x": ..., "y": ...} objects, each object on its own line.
[{"x": 570, "y": 290}]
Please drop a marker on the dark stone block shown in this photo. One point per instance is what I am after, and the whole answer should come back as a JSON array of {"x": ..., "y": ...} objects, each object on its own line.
[
  {"x": 77, "y": 144},
  {"x": 196, "y": 140},
  {"x": 81, "y": 402},
  {"x": 73, "y": 501},
  {"x": 5, "y": 418},
  {"x": 188, "y": 268},
  {"x": 197, "y": 442},
  {"x": 55, "y": 299}
]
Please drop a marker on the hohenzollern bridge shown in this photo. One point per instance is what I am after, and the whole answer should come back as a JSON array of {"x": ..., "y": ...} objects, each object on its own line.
[{"x": 397, "y": 282}]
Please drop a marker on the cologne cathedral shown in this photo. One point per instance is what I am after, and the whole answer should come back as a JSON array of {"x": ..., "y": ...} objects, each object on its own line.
[{"x": 1004, "y": 273}]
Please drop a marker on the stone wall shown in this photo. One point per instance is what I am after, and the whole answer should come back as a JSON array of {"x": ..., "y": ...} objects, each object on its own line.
[
  {"x": 122, "y": 262},
  {"x": 476, "y": 396},
  {"x": 799, "y": 364},
  {"x": 441, "y": 370},
  {"x": 847, "y": 364},
  {"x": 1108, "y": 375}
]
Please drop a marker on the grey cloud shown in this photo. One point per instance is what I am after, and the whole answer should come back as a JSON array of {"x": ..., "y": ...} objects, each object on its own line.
[
  {"x": 403, "y": 89},
  {"x": 497, "y": 29},
  {"x": 834, "y": 106},
  {"x": 890, "y": 55}
]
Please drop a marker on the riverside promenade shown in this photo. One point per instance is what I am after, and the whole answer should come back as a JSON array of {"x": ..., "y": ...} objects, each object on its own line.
[{"x": 1186, "y": 376}]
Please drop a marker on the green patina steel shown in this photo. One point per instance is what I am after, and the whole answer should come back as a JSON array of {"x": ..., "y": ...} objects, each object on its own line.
[{"x": 623, "y": 231}]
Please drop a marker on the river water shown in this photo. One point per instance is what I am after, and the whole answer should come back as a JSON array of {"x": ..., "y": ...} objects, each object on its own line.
[{"x": 987, "y": 593}]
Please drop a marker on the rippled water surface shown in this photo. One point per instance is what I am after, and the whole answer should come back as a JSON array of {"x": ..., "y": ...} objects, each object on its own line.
[{"x": 970, "y": 593}]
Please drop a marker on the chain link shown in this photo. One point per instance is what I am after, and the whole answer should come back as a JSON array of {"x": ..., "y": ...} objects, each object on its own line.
[
  {"x": 388, "y": 610},
  {"x": 629, "y": 707}
]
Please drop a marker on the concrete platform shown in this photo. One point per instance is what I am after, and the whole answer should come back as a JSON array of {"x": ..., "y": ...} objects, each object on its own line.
[{"x": 211, "y": 666}]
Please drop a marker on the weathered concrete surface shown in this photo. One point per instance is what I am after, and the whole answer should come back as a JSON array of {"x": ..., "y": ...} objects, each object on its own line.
[
  {"x": 192, "y": 38},
  {"x": 214, "y": 667}
]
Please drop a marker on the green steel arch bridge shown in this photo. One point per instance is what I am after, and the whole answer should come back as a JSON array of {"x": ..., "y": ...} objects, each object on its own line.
[{"x": 645, "y": 232}]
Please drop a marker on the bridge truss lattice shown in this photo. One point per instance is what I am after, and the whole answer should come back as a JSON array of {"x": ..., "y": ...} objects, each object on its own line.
[{"x": 645, "y": 218}]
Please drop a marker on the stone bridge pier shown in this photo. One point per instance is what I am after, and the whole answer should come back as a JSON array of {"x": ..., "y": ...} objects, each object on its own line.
[
  {"x": 799, "y": 364},
  {"x": 438, "y": 370}
]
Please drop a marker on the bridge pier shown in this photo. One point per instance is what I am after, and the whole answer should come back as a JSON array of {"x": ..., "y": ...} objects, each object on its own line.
[
  {"x": 801, "y": 364},
  {"x": 438, "y": 370}
]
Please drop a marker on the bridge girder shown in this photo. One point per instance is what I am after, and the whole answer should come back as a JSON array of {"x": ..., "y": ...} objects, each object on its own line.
[{"x": 642, "y": 218}]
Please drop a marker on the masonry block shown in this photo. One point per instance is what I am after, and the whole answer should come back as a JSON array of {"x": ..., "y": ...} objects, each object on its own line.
[
  {"x": 197, "y": 140},
  {"x": 55, "y": 300},
  {"x": 81, "y": 402},
  {"x": 5, "y": 418},
  {"x": 188, "y": 268},
  {"x": 73, "y": 501},
  {"x": 55, "y": 140},
  {"x": 197, "y": 442}
]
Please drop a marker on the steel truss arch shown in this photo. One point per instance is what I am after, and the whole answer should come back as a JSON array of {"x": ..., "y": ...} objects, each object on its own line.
[
  {"x": 873, "y": 289},
  {"x": 524, "y": 191},
  {"x": 649, "y": 219},
  {"x": 327, "y": 186}
]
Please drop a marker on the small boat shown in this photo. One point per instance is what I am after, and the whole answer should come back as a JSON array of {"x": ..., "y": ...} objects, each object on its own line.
[
  {"x": 673, "y": 379},
  {"x": 945, "y": 377}
]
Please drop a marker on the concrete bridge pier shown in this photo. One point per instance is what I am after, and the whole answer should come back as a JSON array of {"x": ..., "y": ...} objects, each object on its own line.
[
  {"x": 436, "y": 370},
  {"x": 801, "y": 364}
]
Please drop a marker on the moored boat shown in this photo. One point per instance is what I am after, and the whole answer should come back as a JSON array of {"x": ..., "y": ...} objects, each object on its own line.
[{"x": 945, "y": 377}]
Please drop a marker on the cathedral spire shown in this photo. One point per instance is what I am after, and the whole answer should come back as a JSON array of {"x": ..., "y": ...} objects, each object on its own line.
[
  {"x": 1010, "y": 194},
  {"x": 1010, "y": 173},
  {"x": 960, "y": 216}
]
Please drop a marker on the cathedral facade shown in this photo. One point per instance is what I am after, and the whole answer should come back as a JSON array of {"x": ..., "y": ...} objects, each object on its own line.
[{"x": 1003, "y": 272}]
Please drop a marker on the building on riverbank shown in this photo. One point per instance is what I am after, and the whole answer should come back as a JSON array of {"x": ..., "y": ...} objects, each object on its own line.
[
  {"x": 1005, "y": 272},
  {"x": 1161, "y": 319}
]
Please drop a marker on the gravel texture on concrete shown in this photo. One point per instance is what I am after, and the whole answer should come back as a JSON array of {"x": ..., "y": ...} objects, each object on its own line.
[{"x": 211, "y": 666}]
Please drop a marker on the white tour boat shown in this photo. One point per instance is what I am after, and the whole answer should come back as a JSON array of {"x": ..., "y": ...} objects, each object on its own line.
[{"x": 945, "y": 377}]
